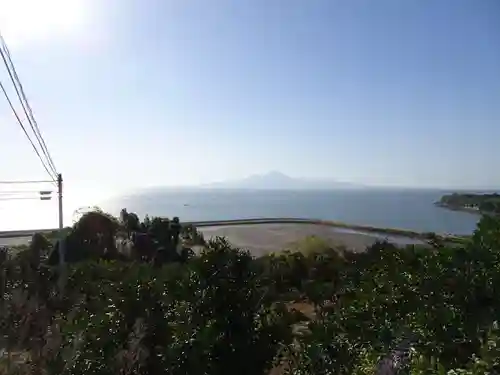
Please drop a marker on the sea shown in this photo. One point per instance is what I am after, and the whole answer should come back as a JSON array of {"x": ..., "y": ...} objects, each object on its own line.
[{"x": 386, "y": 208}]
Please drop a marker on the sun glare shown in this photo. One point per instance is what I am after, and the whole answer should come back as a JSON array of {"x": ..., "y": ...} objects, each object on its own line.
[{"x": 24, "y": 21}]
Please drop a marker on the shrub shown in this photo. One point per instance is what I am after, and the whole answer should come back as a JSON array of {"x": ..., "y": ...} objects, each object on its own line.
[{"x": 224, "y": 312}]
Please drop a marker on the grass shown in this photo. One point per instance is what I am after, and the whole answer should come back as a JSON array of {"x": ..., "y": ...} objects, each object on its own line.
[{"x": 311, "y": 244}]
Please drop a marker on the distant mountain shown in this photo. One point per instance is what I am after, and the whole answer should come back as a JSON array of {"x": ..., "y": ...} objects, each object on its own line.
[{"x": 280, "y": 181}]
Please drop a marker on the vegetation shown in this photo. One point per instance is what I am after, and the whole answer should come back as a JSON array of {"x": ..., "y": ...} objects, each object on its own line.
[
  {"x": 310, "y": 244},
  {"x": 156, "y": 306},
  {"x": 485, "y": 203}
]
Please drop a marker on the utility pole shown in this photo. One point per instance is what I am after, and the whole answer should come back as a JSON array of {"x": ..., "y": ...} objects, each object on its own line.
[
  {"x": 59, "y": 196},
  {"x": 62, "y": 239}
]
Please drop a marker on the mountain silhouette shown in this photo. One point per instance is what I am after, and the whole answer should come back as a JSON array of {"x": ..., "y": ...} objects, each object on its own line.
[{"x": 278, "y": 180}]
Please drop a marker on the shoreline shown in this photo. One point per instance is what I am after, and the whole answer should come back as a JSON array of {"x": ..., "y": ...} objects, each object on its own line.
[
  {"x": 459, "y": 208},
  {"x": 264, "y": 238},
  {"x": 256, "y": 221},
  {"x": 362, "y": 230},
  {"x": 468, "y": 210},
  {"x": 329, "y": 223}
]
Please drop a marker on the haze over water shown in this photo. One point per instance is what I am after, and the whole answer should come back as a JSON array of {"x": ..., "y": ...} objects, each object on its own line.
[{"x": 386, "y": 208}]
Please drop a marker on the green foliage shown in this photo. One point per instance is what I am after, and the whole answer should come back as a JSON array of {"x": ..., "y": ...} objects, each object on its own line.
[
  {"x": 130, "y": 221},
  {"x": 210, "y": 315},
  {"x": 157, "y": 240},
  {"x": 488, "y": 203},
  {"x": 486, "y": 361},
  {"x": 311, "y": 244},
  {"x": 224, "y": 312}
]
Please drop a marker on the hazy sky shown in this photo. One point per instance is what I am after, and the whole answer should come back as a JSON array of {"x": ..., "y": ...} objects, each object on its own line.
[{"x": 162, "y": 92}]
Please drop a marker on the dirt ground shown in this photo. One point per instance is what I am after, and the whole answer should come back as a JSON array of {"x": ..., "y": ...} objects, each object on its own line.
[{"x": 262, "y": 239}]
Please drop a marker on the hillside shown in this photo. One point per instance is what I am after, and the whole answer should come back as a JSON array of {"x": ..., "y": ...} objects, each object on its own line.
[{"x": 481, "y": 203}]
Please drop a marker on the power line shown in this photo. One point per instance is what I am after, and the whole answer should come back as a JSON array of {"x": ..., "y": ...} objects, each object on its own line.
[
  {"x": 21, "y": 196},
  {"x": 23, "y": 199},
  {"x": 16, "y": 192},
  {"x": 56, "y": 177},
  {"x": 24, "y": 103},
  {"x": 26, "y": 182},
  {"x": 9, "y": 64},
  {"x": 24, "y": 130}
]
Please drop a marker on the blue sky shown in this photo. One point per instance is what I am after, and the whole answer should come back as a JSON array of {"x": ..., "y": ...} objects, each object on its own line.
[{"x": 131, "y": 94}]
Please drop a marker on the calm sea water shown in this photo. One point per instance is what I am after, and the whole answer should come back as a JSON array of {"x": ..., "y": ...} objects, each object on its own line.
[{"x": 406, "y": 209}]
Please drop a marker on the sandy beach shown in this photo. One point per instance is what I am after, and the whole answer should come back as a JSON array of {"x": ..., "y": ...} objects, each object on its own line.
[{"x": 261, "y": 239}]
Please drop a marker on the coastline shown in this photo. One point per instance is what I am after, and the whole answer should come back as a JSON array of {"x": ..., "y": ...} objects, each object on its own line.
[
  {"x": 469, "y": 210},
  {"x": 264, "y": 238},
  {"x": 361, "y": 229},
  {"x": 329, "y": 223}
]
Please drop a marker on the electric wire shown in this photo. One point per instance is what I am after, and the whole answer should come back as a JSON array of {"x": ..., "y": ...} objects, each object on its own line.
[
  {"x": 15, "y": 192},
  {"x": 25, "y": 132},
  {"x": 24, "y": 199},
  {"x": 27, "y": 182},
  {"x": 9, "y": 64}
]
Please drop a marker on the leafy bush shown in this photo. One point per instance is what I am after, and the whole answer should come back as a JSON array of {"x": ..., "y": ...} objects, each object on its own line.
[{"x": 224, "y": 312}]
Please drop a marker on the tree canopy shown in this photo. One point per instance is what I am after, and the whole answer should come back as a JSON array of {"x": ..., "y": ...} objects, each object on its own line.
[
  {"x": 389, "y": 309},
  {"x": 487, "y": 203}
]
